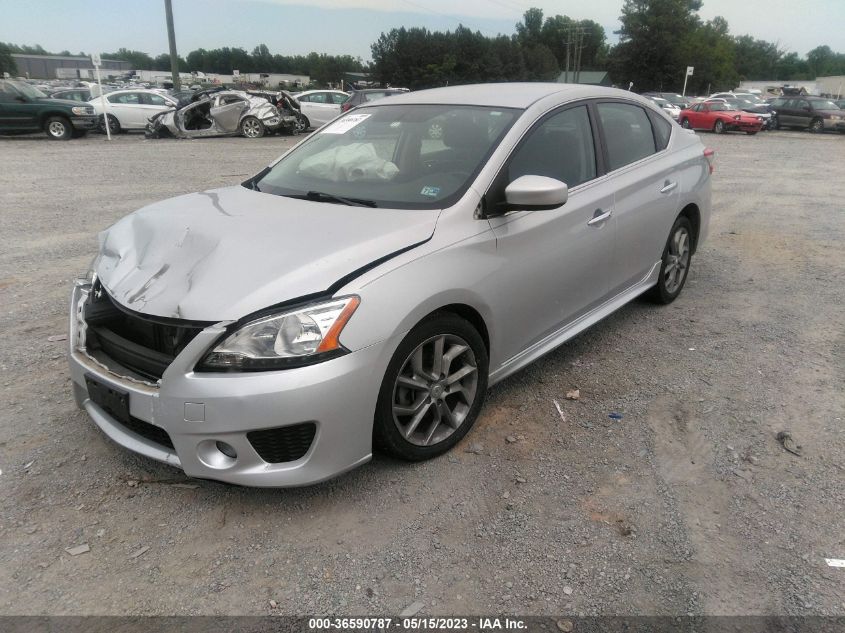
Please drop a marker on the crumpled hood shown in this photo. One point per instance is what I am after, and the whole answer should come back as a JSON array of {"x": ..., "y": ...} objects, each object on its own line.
[{"x": 225, "y": 253}]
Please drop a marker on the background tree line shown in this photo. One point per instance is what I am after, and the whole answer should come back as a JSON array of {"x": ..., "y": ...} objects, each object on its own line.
[{"x": 658, "y": 39}]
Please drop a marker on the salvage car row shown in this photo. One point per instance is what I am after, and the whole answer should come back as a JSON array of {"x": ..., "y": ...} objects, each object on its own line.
[{"x": 218, "y": 111}]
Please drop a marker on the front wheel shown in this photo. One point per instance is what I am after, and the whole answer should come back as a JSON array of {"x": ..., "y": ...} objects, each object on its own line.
[
  {"x": 675, "y": 263},
  {"x": 816, "y": 126},
  {"x": 252, "y": 127},
  {"x": 719, "y": 127},
  {"x": 432, "y": 390},
  {"x": 685, "y": 124},
  {"x": 58, "y": 128}
]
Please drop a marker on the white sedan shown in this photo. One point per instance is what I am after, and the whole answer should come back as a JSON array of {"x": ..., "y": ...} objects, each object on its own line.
[
  {"x": 132, "y": 109},
  {"x": 320, "y": 106}
]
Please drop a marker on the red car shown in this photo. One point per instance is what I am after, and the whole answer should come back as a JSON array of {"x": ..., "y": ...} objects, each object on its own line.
[{"x": 719, "y": 117}]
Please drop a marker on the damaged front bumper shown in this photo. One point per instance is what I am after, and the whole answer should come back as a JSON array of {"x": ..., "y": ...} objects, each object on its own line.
[{"x": 233, "y": 427}]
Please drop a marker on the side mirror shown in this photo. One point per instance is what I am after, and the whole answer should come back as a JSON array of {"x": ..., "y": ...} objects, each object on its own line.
[{"x": 536, "y": 193}]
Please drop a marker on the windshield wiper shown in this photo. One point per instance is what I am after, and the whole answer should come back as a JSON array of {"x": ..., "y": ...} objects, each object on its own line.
[{"x": 330, "y": 197}]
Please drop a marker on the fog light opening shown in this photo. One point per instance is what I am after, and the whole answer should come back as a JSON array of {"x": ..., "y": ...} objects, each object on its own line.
[
  {"x": 217, "y": 454},
  {"x": 226, "y": 449}
]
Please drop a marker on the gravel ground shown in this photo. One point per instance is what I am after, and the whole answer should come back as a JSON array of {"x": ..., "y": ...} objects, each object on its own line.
[{"x": 688, "y": 504}]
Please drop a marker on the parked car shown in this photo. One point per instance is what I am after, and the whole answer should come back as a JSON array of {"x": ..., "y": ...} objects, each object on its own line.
[
  {"x": 83, "y": 94},
  {"x": 840, "y": 103},
  {"x": 671, "y": 109},
  {"x": 672, "y": 97},
  {"x": 25, "y": 109},
  {"x": 358, "y": 97},
  {"x": 283, "y": 100},
  {"x": 813, "y": 113},
  {"x": 719, "y": 117},
  {"x": 222, "y": 113},
  {"x": 320, "y": 106},
  {"x": 363, "y": 292},
  {"x": 131, "y": 109},
  {"x": 764, "y": 110}
]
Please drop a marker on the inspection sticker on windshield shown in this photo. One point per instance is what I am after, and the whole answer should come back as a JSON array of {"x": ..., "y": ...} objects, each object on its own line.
[
  {"x": 430, "y": 191},
  {"x": 345, "y": 124}
]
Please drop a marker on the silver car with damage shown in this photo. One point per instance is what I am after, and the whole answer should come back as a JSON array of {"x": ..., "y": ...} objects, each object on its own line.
[
  {"x": 366, "y": 288},
  {"x": 223, "y": 113}
]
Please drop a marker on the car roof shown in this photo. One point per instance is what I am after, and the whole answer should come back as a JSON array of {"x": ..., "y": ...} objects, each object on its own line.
[
  {"x": 506, "y": 95},
  {"x": 308, "y": 92}
]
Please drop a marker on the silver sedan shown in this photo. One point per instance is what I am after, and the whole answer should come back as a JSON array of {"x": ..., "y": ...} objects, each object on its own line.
[{"x": 365, "y": 290}]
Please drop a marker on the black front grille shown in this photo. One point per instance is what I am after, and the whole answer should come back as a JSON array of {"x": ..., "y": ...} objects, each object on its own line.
[
  {"x": 148, "y": 431},
  {"x": 284, "y": 443},
  {"x": 145, "y": 345}
]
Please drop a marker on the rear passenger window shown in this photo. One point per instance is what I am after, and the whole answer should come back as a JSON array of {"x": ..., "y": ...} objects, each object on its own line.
[
  {"x": 560, "y": 147},
  {"x": 627, "y": 133},
  {"x": 662, "y": 131}
]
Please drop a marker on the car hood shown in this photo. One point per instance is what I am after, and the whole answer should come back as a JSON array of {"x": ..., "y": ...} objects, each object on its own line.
[
  {"x": 65, "y": 102},
  {"x": 225, "y": 253}
]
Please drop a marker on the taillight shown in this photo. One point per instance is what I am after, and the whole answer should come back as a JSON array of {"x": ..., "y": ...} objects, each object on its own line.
[
  {"x": 345, "y": 107},
  {"x": 710, "y": 155}
]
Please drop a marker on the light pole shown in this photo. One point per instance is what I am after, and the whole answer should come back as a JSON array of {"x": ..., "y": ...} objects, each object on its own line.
[{"x": 171, "y": 38}]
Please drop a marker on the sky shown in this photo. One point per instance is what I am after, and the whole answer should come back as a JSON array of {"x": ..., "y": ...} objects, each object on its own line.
[{"x": 350, "y": 26}]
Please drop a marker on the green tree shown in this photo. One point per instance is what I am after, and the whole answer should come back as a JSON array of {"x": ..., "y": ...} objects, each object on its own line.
[
  {"x": 652, "y": 34},
  {"x": 137, "y": 59},
  {"x": 7, "y": 62}
]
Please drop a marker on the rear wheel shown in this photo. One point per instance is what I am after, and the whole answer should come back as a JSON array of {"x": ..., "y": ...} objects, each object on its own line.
[
  {"x": 675, "y": 263},
  {"x": 685, "y": 124},
  {"x": 432, "y": 390},
  {"x": 302, "y": 123},
  {"x": 719, "y": 127},
  {"x": 816, "y": 126},
  {"x": 774, "y": 124},
  {"x": 252, "y": 127},
  {"x": 58, "y": 128}
]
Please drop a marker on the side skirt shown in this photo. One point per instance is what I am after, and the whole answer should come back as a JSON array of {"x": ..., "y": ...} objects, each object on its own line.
[{"x": 555, "y": 339}]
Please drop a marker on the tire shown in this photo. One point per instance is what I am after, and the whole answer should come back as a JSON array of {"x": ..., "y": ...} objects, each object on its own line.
[
  {"x": 114, "y": 125},
  {"x": 719, "y": 127},
  {"x": 685, "y": 124},
  {"x": 775, "y": 123},
  {"x": 302, "y": 124},
  {"x": 671, "y": 282},
  {"x": 413, "y": 407},
  {"x": 58, "y": 128},
  {"x": 251, "y": 127},
  {"x": 816, "y": 126},
  {"x": 751, "y": 133}
]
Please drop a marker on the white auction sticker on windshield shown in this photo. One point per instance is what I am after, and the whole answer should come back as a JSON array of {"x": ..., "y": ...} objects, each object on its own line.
[{"x": 345, "y": 124}]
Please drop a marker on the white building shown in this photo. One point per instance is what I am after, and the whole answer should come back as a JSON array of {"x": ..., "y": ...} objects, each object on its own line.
[{"x": 268, "y": 80}]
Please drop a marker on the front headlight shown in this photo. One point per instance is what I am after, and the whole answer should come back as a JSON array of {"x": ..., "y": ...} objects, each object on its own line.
[
  {"x": 299, "y": 337},
  {"x": 80, "y": 110}
]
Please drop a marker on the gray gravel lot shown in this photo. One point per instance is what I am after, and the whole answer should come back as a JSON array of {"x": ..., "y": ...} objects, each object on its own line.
[{"x": 688, "y": 504}]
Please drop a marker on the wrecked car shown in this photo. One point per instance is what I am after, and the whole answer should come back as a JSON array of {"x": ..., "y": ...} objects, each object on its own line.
[
  {"x": 222, "y": 113},
  {"x": 362, "y": 292}
]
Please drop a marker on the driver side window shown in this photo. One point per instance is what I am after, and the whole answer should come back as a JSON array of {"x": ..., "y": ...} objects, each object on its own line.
[{"x": 561, "y": 147}]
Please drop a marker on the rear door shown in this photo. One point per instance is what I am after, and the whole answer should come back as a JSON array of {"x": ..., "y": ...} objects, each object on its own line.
[
  {"x": 126, "y": 107},
  {"x": 319, "y": 108},
  {"x": 645, "y": 185},
  {"x": 227, "y": 111}
]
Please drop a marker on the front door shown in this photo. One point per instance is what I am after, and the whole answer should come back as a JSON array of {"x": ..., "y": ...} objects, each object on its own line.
[
  {"x": 555, "y": 262},
  {"x": 227, "y": 112}
]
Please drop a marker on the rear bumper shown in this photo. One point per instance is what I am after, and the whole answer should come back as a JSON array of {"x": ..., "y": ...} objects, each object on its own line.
[{"x": 198, "y": 410}]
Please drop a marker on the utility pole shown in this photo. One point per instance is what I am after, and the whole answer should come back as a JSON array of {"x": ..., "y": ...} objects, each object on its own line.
[
  {"x": 171, "y": 38},
  {"x": 568, "y": 40}
]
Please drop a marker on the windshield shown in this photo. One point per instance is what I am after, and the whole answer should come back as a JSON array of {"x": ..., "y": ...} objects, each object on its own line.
[
  {"x": 397, "y": 156},
  {"x": 23, "y": 88}
]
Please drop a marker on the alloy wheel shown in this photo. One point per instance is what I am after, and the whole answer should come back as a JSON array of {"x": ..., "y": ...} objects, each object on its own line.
[
  {"x": 677, "y": 260},
  {"x": 252, "y": 128},
  {"x": 435, "y": 390},
  {"x": 57, "y": 129}
]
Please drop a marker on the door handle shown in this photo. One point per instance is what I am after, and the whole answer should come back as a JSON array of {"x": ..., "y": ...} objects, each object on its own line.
[
  {"x": 600, "y": 217},
  {"x": 668, "y": 186}
]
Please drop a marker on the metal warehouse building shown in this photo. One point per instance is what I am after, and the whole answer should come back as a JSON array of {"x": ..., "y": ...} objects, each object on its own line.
[{"x": 64, "y": 67}]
